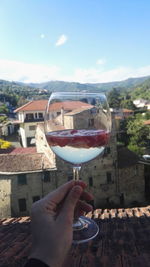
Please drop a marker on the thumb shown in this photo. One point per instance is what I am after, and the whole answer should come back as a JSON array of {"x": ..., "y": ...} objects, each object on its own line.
[{"x": 67, "y": 211}]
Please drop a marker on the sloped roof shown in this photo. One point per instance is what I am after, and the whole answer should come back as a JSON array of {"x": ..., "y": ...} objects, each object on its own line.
[
  {"x": 40, "y": 105},
  {"x": 123, "y": 240},
  {"x": 127, "y": 110},
  {"x": 77, "y": 110},
  {"x": 147, "y": 122},
  {"x": 126, "y": 158},
  {"x": 14, "y": 163},
  {"x": 23, "y": 150}
]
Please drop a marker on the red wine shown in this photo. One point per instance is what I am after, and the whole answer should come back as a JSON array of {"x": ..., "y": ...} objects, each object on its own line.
[
  {"x": 78, "y": 138},
  {"x": 77, "y": 146}
]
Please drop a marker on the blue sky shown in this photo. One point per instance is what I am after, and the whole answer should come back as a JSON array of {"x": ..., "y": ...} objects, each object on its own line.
[{"x": 81, "y": 41}]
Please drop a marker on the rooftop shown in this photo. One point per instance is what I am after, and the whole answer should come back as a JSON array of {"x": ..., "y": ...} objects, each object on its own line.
[
  {"x": 123, "y": 240},
  {"x": 126, "y": 158},
  {"x": 127, "y": 110},
  {"x": 40, "y": 105},
  {"x": 77, "y": 110},
  {"x": 23, "y": 162},
  {"x": 147, "y": 122},
  {"x": 33, "y": 106},
  {"x": 23, "y": 150}
]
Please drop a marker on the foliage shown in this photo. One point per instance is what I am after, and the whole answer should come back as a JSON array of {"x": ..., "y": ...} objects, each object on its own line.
[
  {"x": 138, "y": 134},
  {"x": 142, "y": 91},
  {"x": 136, "y": 149},
  {"x": 123, "y": 137},
  {"x": 3, "y": 119},
  {"x": 127, "y": 103},
  {"x": 114, "y": 98},
  {"x": 4, "y": 144},
  {"x": 21, "y": 101},
  {"x": 124, "y": 91},
  {"x": 3, "y": 109}
]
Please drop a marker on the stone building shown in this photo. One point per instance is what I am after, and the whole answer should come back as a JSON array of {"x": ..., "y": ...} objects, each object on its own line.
[
  {"x": 30, "y": 114},
  {"x": 114, "y": 178},
  {"x": 23, "y": 180}
]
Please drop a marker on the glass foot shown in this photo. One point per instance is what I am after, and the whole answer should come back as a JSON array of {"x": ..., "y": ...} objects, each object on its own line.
[{"x": 84, "y": 229}]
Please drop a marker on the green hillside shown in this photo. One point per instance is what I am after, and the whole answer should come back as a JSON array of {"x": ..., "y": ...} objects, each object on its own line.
[
  {"x": 90, "y": 87},
  {"x": 15, "y": 92},
  {"x": 142, "y": 90}
]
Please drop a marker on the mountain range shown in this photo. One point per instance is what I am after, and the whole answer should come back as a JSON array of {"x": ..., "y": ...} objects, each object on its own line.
[
  {"x": 90, "y": 87},
  {"x": 53, "y": 86}
]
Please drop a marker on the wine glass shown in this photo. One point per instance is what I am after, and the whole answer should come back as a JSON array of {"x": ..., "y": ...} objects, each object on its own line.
[{"x": 77, "y": 129}]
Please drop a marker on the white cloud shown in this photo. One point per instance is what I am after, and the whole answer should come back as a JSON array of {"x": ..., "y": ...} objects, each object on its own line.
[
  {"x": 42, "y": 35},
  {"x": 25, "y": 72},
  {"x": 96, "y": 75},
  {"x": 62, "y": 40},
  {"x": 101, "y": 61}
]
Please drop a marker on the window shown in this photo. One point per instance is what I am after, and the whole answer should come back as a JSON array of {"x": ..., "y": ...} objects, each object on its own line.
[
  {"x": 107, "y": 150},
  {"x": 122, "y": 199},
  {"x": 109, "y": 179},
  {"x": 22, "y": 204},
  {"x": 31, "y": 127},
  {"x": 40, "y": 115},
  {"x": 22, "y": 179},
  {"x": 29, "y": 116},
  {"x": 36, "y": 115},
  {"x": 58, "y": 113},
  {"x": 90, "y": 181},
  {"x": 36, "y": 198},
  {"x": 47, "y": 177},
  {"x": 136, "y": 170}
]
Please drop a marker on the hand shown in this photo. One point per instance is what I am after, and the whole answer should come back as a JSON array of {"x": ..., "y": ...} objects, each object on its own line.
[{"x": 52, "y": 219}]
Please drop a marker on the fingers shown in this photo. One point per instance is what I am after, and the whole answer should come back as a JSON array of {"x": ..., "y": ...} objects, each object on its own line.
[
  {"x": 86, "y": 196},
  {"x": 67, "y": 211},
  {"x": 81, "y": 208},
  {"x": 84, "y": 206},
  {"x": 60, "y": 193}
]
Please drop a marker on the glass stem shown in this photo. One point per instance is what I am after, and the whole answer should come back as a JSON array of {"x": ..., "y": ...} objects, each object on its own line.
[{"x": 76, "y": 170}]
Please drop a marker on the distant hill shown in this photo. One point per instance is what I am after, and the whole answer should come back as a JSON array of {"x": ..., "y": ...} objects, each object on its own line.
[
  {"x": 90, "y": 87},
  {"x": 142, "y": 90},
  {"x": 137, "y": 87}
]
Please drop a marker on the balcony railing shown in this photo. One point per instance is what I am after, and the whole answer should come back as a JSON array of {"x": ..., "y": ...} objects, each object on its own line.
[{"x": 33, "y": 120}]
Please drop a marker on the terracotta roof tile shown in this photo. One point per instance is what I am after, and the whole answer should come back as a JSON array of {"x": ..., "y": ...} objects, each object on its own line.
[
  {"x": 127, "y": 110},
  {"x": 78, "y": 110},
  {"x": 12, "y": 163},
  {"x": 23, "y": 150},
  {"x": 40, "y": 105},
  {"x": 123, "y": 240},
  {"x": 147, "y": 122}
]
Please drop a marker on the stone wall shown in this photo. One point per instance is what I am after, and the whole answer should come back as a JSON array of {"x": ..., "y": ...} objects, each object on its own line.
[
  {"x": 132, "y": 185},
  {"x": 5, "y": 196},
  {"x": 38, "y": 184}
]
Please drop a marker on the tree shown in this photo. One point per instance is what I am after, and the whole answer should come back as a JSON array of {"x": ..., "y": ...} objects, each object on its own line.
[
  {"x": 3, "y": 109},
  {"x": 127, "y": 103},
  {"x": 138, "y": 135},
  {"x": 114, "y": 98}
]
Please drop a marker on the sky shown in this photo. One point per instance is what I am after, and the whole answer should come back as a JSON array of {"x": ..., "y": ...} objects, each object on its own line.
[{"x": 86, "y": 41}]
